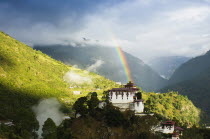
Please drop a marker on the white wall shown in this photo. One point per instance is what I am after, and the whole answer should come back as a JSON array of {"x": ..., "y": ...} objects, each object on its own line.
[
  {"x": 121, "y": 98},
  {"x": 122, "y": 106},
  {"x": 168, "y": 130},
  {"x": 138, "y": 107},
  {"x": 163, "y": 130},
  {"x": 124, "y": 101}
]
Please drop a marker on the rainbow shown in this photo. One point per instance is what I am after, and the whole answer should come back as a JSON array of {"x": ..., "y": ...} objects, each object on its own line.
[
  {"x": 122, "y": 58},
  {"x": 124, "y": 63}
]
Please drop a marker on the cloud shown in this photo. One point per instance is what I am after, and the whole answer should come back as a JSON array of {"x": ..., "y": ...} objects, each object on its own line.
[
  {"x": 76, "y": 78},
  {"x": 144, "y": 28},
  {"x": 95, "y": 66},
  {"x": 191, "y": 14},
  {"x": 149, "y": 33}
]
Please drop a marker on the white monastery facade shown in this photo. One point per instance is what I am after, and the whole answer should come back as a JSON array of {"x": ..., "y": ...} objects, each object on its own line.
[{"x": 126, "y": 98}]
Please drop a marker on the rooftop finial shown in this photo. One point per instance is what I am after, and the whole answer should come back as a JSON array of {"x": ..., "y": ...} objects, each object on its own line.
[{"x": 129, "y": 85}]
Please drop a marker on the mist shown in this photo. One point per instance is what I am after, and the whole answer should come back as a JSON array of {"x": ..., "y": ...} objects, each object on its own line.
[
  {"x": 48, "y": 108},
  {"x": 95, "y": 66},
  {"x": 76, "y": 78}
]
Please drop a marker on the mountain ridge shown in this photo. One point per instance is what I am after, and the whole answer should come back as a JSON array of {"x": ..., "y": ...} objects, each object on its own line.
[
  {"x": 193, "y": 80},
  {"x": 143, "y": 75},
  {"x": 191, "y": 68}
]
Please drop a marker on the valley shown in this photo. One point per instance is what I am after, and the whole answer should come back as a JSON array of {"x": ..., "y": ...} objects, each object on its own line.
[
  {"x": 29, "y": 76},
  {"x": 104, "y": 69}
]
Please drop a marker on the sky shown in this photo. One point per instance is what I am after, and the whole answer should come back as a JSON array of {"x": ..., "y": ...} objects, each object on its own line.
[{"x": 144, "y": 28}]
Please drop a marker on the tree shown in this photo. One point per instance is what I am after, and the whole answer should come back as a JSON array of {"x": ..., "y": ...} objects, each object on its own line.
[
  {"x": 93, "y": 103},
  {"x": 113, "y": 116},
  {"x": 49, "y": 129},
  {"x": 26, "y": 121},
  {"x": 139, "y": 95},
  {"x": 64, "y": 130},
  {"x": 80, "y": 106},
  {"x": 106, "y": 97}
]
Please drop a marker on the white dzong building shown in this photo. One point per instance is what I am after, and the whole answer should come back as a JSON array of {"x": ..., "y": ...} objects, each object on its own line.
[
  {"x": 168, "y": 127},
  {"x": 125, "y": 98}
]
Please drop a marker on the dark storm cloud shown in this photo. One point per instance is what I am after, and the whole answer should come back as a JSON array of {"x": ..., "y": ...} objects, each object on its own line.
[
  {"x": 19, "y": 17},
  {"x": 45, "y": 10},
  {"x": 141, "y": 27}
]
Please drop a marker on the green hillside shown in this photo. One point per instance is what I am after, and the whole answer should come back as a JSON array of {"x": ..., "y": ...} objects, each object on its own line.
[
  {"x": 27, "y": 75},
  {"x": 171, "y": 105},
  {"x": 193, "y": 80},
  {"x": 197, "y": 89}
]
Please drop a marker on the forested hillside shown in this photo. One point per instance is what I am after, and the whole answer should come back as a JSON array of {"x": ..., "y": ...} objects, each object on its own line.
[
  {"x": 197, "y": 90},
  {"x": 171, "y": 105},
  {"x": 110, "y": 65},
  {"x": 193, "y": 80}
]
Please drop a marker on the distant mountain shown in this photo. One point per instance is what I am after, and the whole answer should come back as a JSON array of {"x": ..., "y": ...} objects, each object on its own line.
[
  {"x": 193, "y": 79},
  {"x": 191, "y": 69},
  {"x": 109, "y": 64},
  {"x": 166, "y": 66}
]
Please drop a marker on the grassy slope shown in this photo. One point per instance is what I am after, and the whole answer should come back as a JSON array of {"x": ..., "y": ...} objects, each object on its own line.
[{"x": 27, "y": 75}]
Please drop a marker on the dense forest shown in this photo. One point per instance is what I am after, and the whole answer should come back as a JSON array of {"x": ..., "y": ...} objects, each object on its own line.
[
  {"x": 173, "y": 106},
  {"x": 192, "y": 79},
  {"x": 97, "y": 122}
]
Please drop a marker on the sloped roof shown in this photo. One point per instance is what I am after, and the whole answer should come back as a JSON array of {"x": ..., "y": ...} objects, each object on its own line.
[
  {"x": 124, "y": 89},
  {"x": 178, "y": 128},
  {"x": 168, "y": 123},
  {"x": 129, "y": 87}
]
